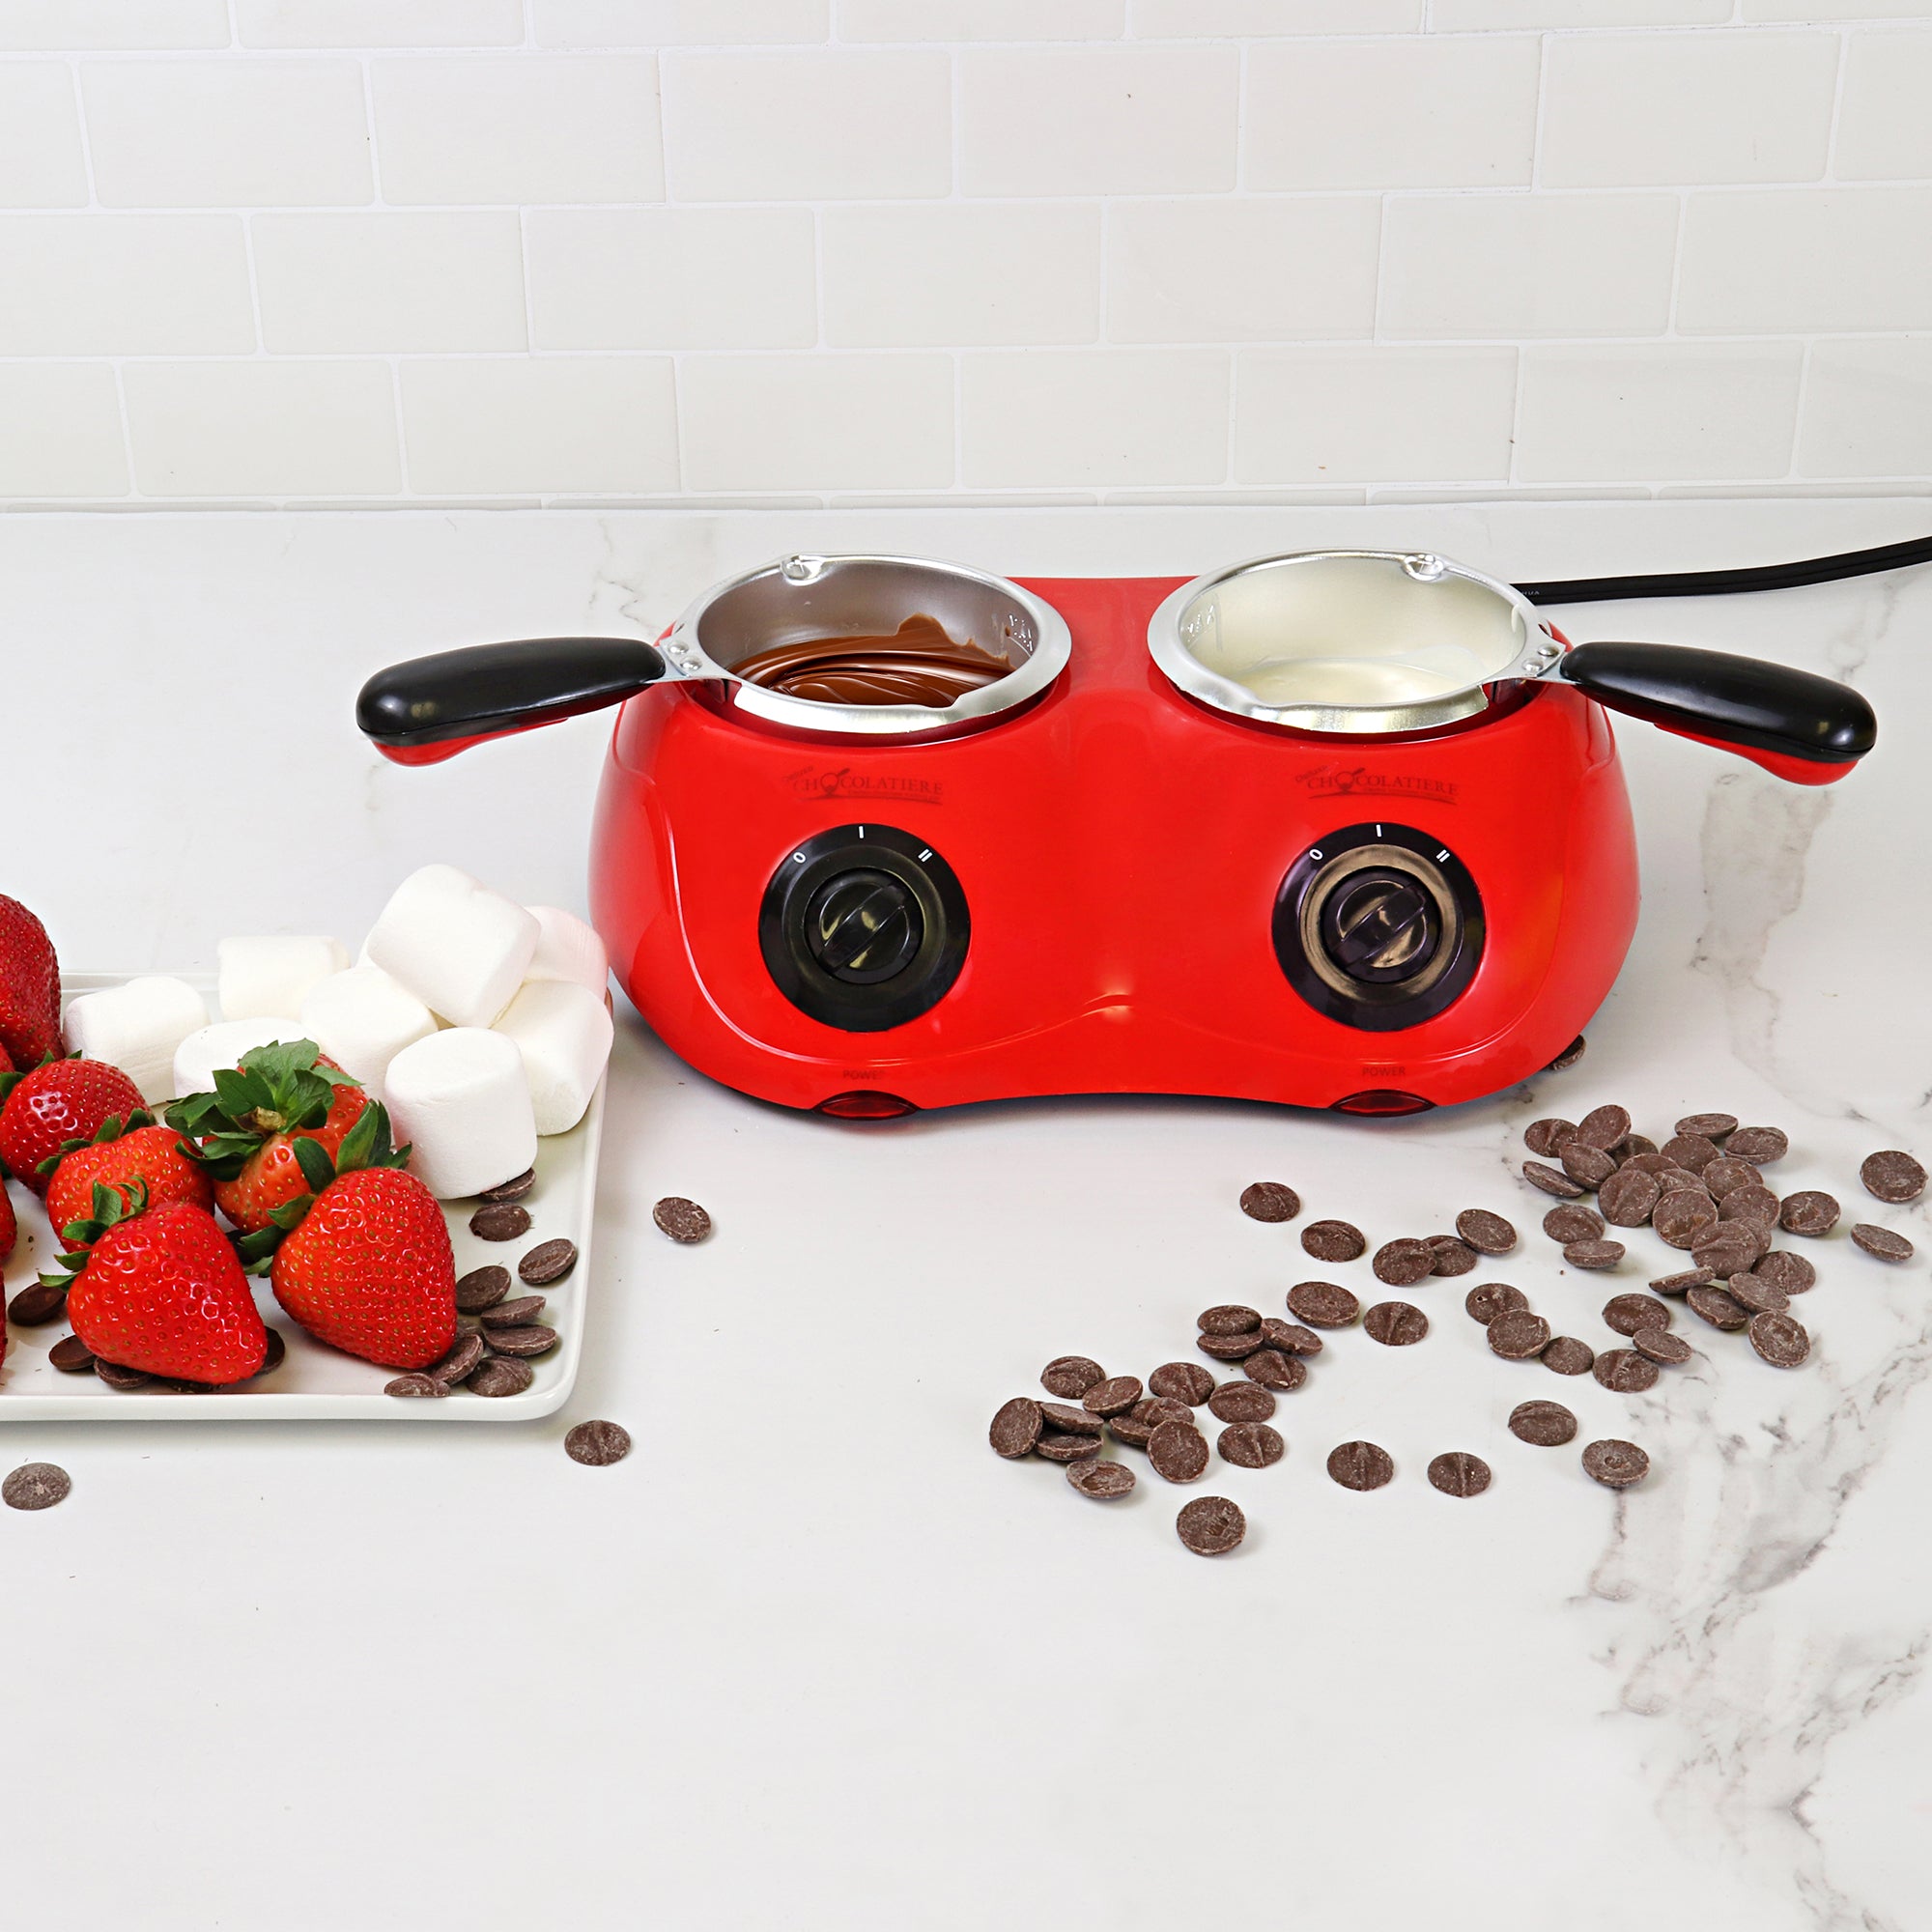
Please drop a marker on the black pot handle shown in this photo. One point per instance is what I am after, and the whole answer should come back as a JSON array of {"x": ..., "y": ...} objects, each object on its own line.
[
  {"x": 1806, "y": 728},
  {"x": 431, "y": 708}
]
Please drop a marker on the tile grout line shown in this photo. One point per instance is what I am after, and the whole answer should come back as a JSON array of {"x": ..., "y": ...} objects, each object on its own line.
[{"x": 133, "y": 492}]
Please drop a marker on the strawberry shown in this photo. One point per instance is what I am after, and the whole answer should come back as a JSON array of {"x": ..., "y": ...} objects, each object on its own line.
[
  {"x": 10, "y": 1227},
  {"x": 143, "y": 1151},
  {"x": 29, "y": 988},
  {"x": 160, "y": 1289},
  {"x": 59, "y": 1102},
  {"x": 366, "y": 1263},
  {"x": 244, "y": 1128}
]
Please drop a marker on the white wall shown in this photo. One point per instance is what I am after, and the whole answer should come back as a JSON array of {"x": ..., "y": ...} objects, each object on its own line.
[{"x": 407, "y": 252}]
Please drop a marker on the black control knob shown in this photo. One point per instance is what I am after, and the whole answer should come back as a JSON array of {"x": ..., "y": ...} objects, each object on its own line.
[
  {"x": 862, "y": 927},
  {"x": 1381, "y": 926}
]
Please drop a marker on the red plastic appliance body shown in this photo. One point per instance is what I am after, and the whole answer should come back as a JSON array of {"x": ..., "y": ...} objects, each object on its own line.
[{"x": 1120, "y": 848}]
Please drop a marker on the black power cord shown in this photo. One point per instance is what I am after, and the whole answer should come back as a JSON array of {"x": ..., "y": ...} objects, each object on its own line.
[{"x": 1724, "y": 582}]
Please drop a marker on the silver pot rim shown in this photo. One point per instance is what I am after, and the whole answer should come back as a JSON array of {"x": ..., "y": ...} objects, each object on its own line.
[
  {"x": 1048, "y": 651},
  {"x": 1536, "y": 654}
]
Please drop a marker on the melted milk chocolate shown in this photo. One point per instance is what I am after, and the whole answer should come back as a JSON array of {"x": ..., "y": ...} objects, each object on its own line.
[{"x": 918, "y": 665}]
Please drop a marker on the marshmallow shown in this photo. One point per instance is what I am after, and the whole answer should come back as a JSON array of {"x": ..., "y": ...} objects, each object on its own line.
[
  {"x": 265, "y": 979},
  {"x": 461, "y": 949},
  {"x": 568, "y": 950},
  {"x": 460, "y": 1100},
  {"x": 137, "y": 1027},
  {"x": 563, "y": 1031},
  {"x": 202, "y": 1055},
  {"x": 361, "y": 1019}
]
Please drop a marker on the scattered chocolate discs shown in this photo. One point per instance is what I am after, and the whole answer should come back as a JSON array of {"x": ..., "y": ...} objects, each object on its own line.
[
  {"x": 1682, "y": 1218},
  {"x": 71, "y": 1356},
  {"x": 1545, "y": 1137},
  {"x": 1549, "y": 1425},
  {"x": 1250, "y": 1446},
  {"x": 1881, "y": 1243},
  {"x": 1334, "y": 1242},
  {"x": 1179, "y": 1382},
  {"x": 1488, "y": 1233},
  {"x": 1628, "y": 1312},
  {"x": 1594, "y": 1254},
  {"x": 1450, "y": 1255},
  {"x": 1730, "y": 1250},
  {"x": 681, "y": 1219},
  {"x": 1154, "y": 1409},
  {"x": 1681, "y": 1282},
  {"x": 415, "y": 1385},
  {"x": 1627, "y": 1196},
  {"x": 500, "y": 1375},
  {"x": 1492, "y": 1298},
  {"x": 1692, "y": 1152},
  {"x": 1719, "y": 1308},
  {"x": 1135, "y": 1431},
  {"x": 1758, "y": 1205},
  {"x": 481, "y": 1288},
  {"x": 1054, "y": 1445},
  {"x": 1290, "y": 1338},
  {"x": 1711, "y": 1127},
  {"x": 514, "y": 1314},
  {"x": 1587, "y": 1165},
  {"x": 1113, "y": 1397},
  {"x": 1893, "y": 1175},
  {"x": 1271, "y": 1201},
  {"x": 1625, "y": 1372},
  {"x": 1659, "y": 1345},
  {"x": 547, "y": 1261},
  {"x": 1401, "y": 1264},
  {"x": 1570, "y": 1054},
  {"x": 1793, "y": 1273},
  {"x": 1396, "y": 1325},
  {"x": 1726, "y": 1172},
  {"x": 37, "y": 1304},
  {"x": 35, "y": 1486},
  {"x": 500, "y": 1221},
  {"x": 1603, "y": 1126},
  {"x": 1458, "y": 1473},
  {"x": 1274, "y": 1370},
  {"x": 1781, "y": 1340},
  {"x": 1617, "y": 1464},
  {"x": 1567, "y": 1356},
  {"x": 1760, "y": 1146},
  {"x": 1178, "y": 1452},
  {"x": 118, "y": 1378},
  {"x": 1519, "y": 1336},
  {"x": 1229, "y": 1347},
  {"x": 462, "y": 1361},
  {"x": 1210, "y": 1526},
  {"x": 1070, "y": 1421},
  {"x": 1070, "y": 1376},
  {"x": 513, "y": 1189},
  {"x": 1551, "y": 1180},
  {"x": 597, "y": 1444},
  {"x": 1574, "y": 1223},
  {"x": 1322, "y": 1304},
  {"x": 1228, "y": 1319},
  {"x": 531, "y": 1340},
  {"x": 1360, "y": 1465},
  {"x": 275, "y": 1354},
  {"x": 1104, "y": 1481},
  {"x": 1016, "y": 1428},
  {"x": 1752, "y": 1290},
  {"x": 1242, "y": 1401}
]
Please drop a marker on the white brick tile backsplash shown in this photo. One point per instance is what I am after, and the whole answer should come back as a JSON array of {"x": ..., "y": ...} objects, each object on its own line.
[
  {"x": 1456, "y": 112},
  {"x": 1360, "y": 415},
  {"x": 1220, "y": 270},
  {"x": 671, "y": 23},
  {"x": 227, "y": 133},
  {"x": 1832, "y": 10},
  {"x": 1528, "y": 265},
  {"x": 1826, "y": 259},
  {"x": 809, "y": 125},
  {"x": 1867, "y": 409},
  {"x": 1631, "y": 110},
  {"x": 672, "y": 278},
  {"x": 981, "y": 20},
  {"x": 498, "y": 127},
  {"x": 124, "y": 285},
  {"x": 335, "y": 284},
  {"x": 1159, "y": 19},
  {"x": 1657, "y": 411},
  {"x": 263, "y": 429},
  {"x": 41, "y": 161},
  {"x": 90, "y": 24},
  {"x": 1098, "y": 120},
  {"x": 63, "y": 431},
  {"x": 579, "y": 425},
  {"x": 816, "y": 422},
  {"x": 1885, "y": 120},
  {"x": 1448, "y": 16},
  {"x": 1093, "y": 417},
  {"x": 380, "y": 23},
  {"x": 933, "y": 276}
]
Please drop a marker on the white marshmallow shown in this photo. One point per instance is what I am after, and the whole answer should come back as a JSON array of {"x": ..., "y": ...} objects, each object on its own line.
[
  {"x": 361, "y": 1019},
  {"x": 269, "y": 977},
  {"x": 460, "y": 1100},
  {"x": 202, "y": 1055},
  {"x": 461, "y": 949},
  {"x": 563, "y": 1031},
  {"x": 137, "y": 1027},
  {"x": 568, "y": 950}
]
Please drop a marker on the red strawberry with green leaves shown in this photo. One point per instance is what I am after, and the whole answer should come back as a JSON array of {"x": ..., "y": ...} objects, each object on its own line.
[
  {"x": 29, "y": 988},
  {"x": 363, "y": 1260},
  {"x": 242, "y": 1134},
  {"x": 59, "y": 1102},
  {"x": 116, "y": 1156},
  {"x": 10, "y": 1230},
  {"x": 160, "y": 1289}
]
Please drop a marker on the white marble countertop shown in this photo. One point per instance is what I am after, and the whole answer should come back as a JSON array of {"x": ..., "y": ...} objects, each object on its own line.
[{"x": 813, "y": 1657}]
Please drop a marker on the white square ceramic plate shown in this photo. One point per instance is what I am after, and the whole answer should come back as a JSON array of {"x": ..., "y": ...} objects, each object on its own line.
[{"x": 316, "y": 1383}]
